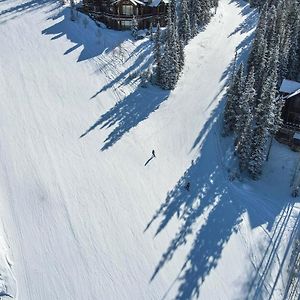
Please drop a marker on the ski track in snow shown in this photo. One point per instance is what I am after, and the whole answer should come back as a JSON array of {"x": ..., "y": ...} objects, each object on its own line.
[{"x": 74, "y": 210}]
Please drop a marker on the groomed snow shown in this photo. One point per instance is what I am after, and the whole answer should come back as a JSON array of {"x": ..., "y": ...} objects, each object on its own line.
[{"x": 83, "y": 218}]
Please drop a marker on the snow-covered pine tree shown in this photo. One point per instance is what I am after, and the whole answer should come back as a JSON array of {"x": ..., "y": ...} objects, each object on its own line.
[
  {"x": 193, "y": 17},
  {"x": 275, "y": 54},
  {"x": 181, "y": 56},
  {"x": 284, "y": 55},
  {"x": 184, "y": 25},
  {"x": 195, "y": 11},
  {"x": 266, "y": 117},
  {"x": 151, "y": 31},
  {"x": 172, "y": 9},
  {"x": 205, "y": 13},
  {"x": 233, "y": 95},
  {"x": 215, "y": 4},
  {"x": 258, "y": 54},
  {"x": 134, "y": 26},
  {"x": 244, "y": 121},
  {"x": 258, "y": 153},
  {"x": 254, "y": 3},
  {"x": 244, "y": 145},
  {"x": 158, "y": 55},
  {"x": 294, "y": 54},
  {"x": 170, "y": 60}
]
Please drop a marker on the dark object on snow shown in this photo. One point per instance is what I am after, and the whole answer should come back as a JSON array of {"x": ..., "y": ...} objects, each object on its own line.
[
  {"x": 2, "y": 294},
  {"x": 153, "y": 155},
  {"x": 187, "y": 186},
  {"x": 289, "y": 98},
  {"x": 120, "y": 14}
]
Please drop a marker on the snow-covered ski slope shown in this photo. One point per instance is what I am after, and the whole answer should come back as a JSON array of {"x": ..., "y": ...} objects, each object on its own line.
[{"x": 83, "y": 218}]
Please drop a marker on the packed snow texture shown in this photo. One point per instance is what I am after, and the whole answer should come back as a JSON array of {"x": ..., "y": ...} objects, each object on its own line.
[{"x": 83, "y": 218}]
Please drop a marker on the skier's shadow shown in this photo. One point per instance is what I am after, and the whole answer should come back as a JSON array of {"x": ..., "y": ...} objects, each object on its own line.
[{"x": 147, "y": 162}]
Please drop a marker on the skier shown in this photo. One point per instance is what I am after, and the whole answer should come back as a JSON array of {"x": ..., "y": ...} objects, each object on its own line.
[
  {"x": 187, "y": 186},
  {"x": 153, "y": 156}
]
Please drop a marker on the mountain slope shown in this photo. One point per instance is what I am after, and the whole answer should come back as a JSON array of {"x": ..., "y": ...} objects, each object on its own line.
[{"x": 76, "y": 131}]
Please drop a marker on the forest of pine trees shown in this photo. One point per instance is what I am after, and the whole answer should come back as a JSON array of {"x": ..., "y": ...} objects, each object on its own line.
[
  {"x": 253, "y": 108},
  {"x": 183, "y": 23}
]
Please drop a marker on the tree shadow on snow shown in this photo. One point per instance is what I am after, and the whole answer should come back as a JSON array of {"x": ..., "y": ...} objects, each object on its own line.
[
  {"x": 214, "y": 207},
  {"x": 106, "y": 47},
  {"x": 249, "y": 23},
  {"x": 142, "y": 52},
  {"x": 84, "y": 33},
  {"x": 211, "y": 211},
  {"x": 16, "y": 10},
  {"x": 262, "y": 283},
  {"x": 129, "y": 112},
  {"x": 247, "y": 26}
]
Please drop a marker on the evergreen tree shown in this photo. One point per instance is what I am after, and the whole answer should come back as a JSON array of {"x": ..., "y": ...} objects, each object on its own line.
[
  {"x": 259, "y": 40},
  {"x": 244, "y": 121},
  {"x": 158, "y": 55},
  {"x": 151, "y": 31},
  {"x": 246, "y": 101},
  {"x": 266, "y": 116},
  {"x": 244, "y": 145},
  {"x": 255, "y": 115},
  {"x": 172, "y": 9},
  {"x": 181, "y": 56},
  {"x": 233, "y": 95},
  {"x": 294, "y": 54},
  {"x": 204, "y": 12},
  {"x": 184, "y": 26},
  {"x": 193, "y": 18},
  {"x": 170, "y": 59},
  {"x": 134, "y": 26}
]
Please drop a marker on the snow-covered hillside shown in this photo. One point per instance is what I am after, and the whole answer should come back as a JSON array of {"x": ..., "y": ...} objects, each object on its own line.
[{"x": 83, "y": 218}]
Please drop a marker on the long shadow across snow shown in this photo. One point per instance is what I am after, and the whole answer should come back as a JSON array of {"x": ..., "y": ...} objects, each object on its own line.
[
  {"x": 248, "y": 25},
  {"x": 143, "y": 60},
  {"x": 217, "y": 205},
  {"x": 17, "y": 9},
  {"x": 104, "y": 46},
  {"x": 129, "y": 112},
  {"x": 211, "y": 211},
  {"x": 93, "y": 40}
]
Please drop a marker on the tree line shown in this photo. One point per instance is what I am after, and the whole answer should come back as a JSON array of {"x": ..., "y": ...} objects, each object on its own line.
[
  {"x": 253, "y": 108},
  {"x": 184, "y": 22}
]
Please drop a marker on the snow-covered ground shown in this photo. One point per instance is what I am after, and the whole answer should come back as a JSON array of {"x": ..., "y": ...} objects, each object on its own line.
[{"x": 83, "y": 218}]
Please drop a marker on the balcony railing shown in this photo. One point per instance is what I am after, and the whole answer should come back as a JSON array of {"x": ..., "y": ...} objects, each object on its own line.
[
  {"x": 121, "y": 17},
  {"x": 291, "y": 125}
]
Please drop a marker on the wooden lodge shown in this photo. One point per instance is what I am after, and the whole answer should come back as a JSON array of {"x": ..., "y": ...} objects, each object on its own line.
[
  {"x": 119, "y": 14},
  {"x": 289, "y": 133}
]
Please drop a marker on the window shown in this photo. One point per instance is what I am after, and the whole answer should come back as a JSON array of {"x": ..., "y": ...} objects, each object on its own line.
[
  {"x": 127, "y": 10},
  {"x": 126, "y": 24}
]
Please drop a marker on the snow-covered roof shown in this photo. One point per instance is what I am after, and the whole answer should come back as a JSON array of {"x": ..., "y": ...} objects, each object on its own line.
[
  {"x": 155, "y": 3},
  {"x": 134, "y": 2},
  {"x": 289, "y": 86},
  {"x": 297, "y": 136},
  {"x": 297, "y": 92}
]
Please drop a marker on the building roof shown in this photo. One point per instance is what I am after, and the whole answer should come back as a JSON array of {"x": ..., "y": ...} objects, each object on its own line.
[
  {"x": 153, "y": 3},
  {"x": 134, "y": 2},
  {"x": 297, "y": 135},
  {"x": 289, "y": 86},
  {"x": 297, "y": 92}
]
